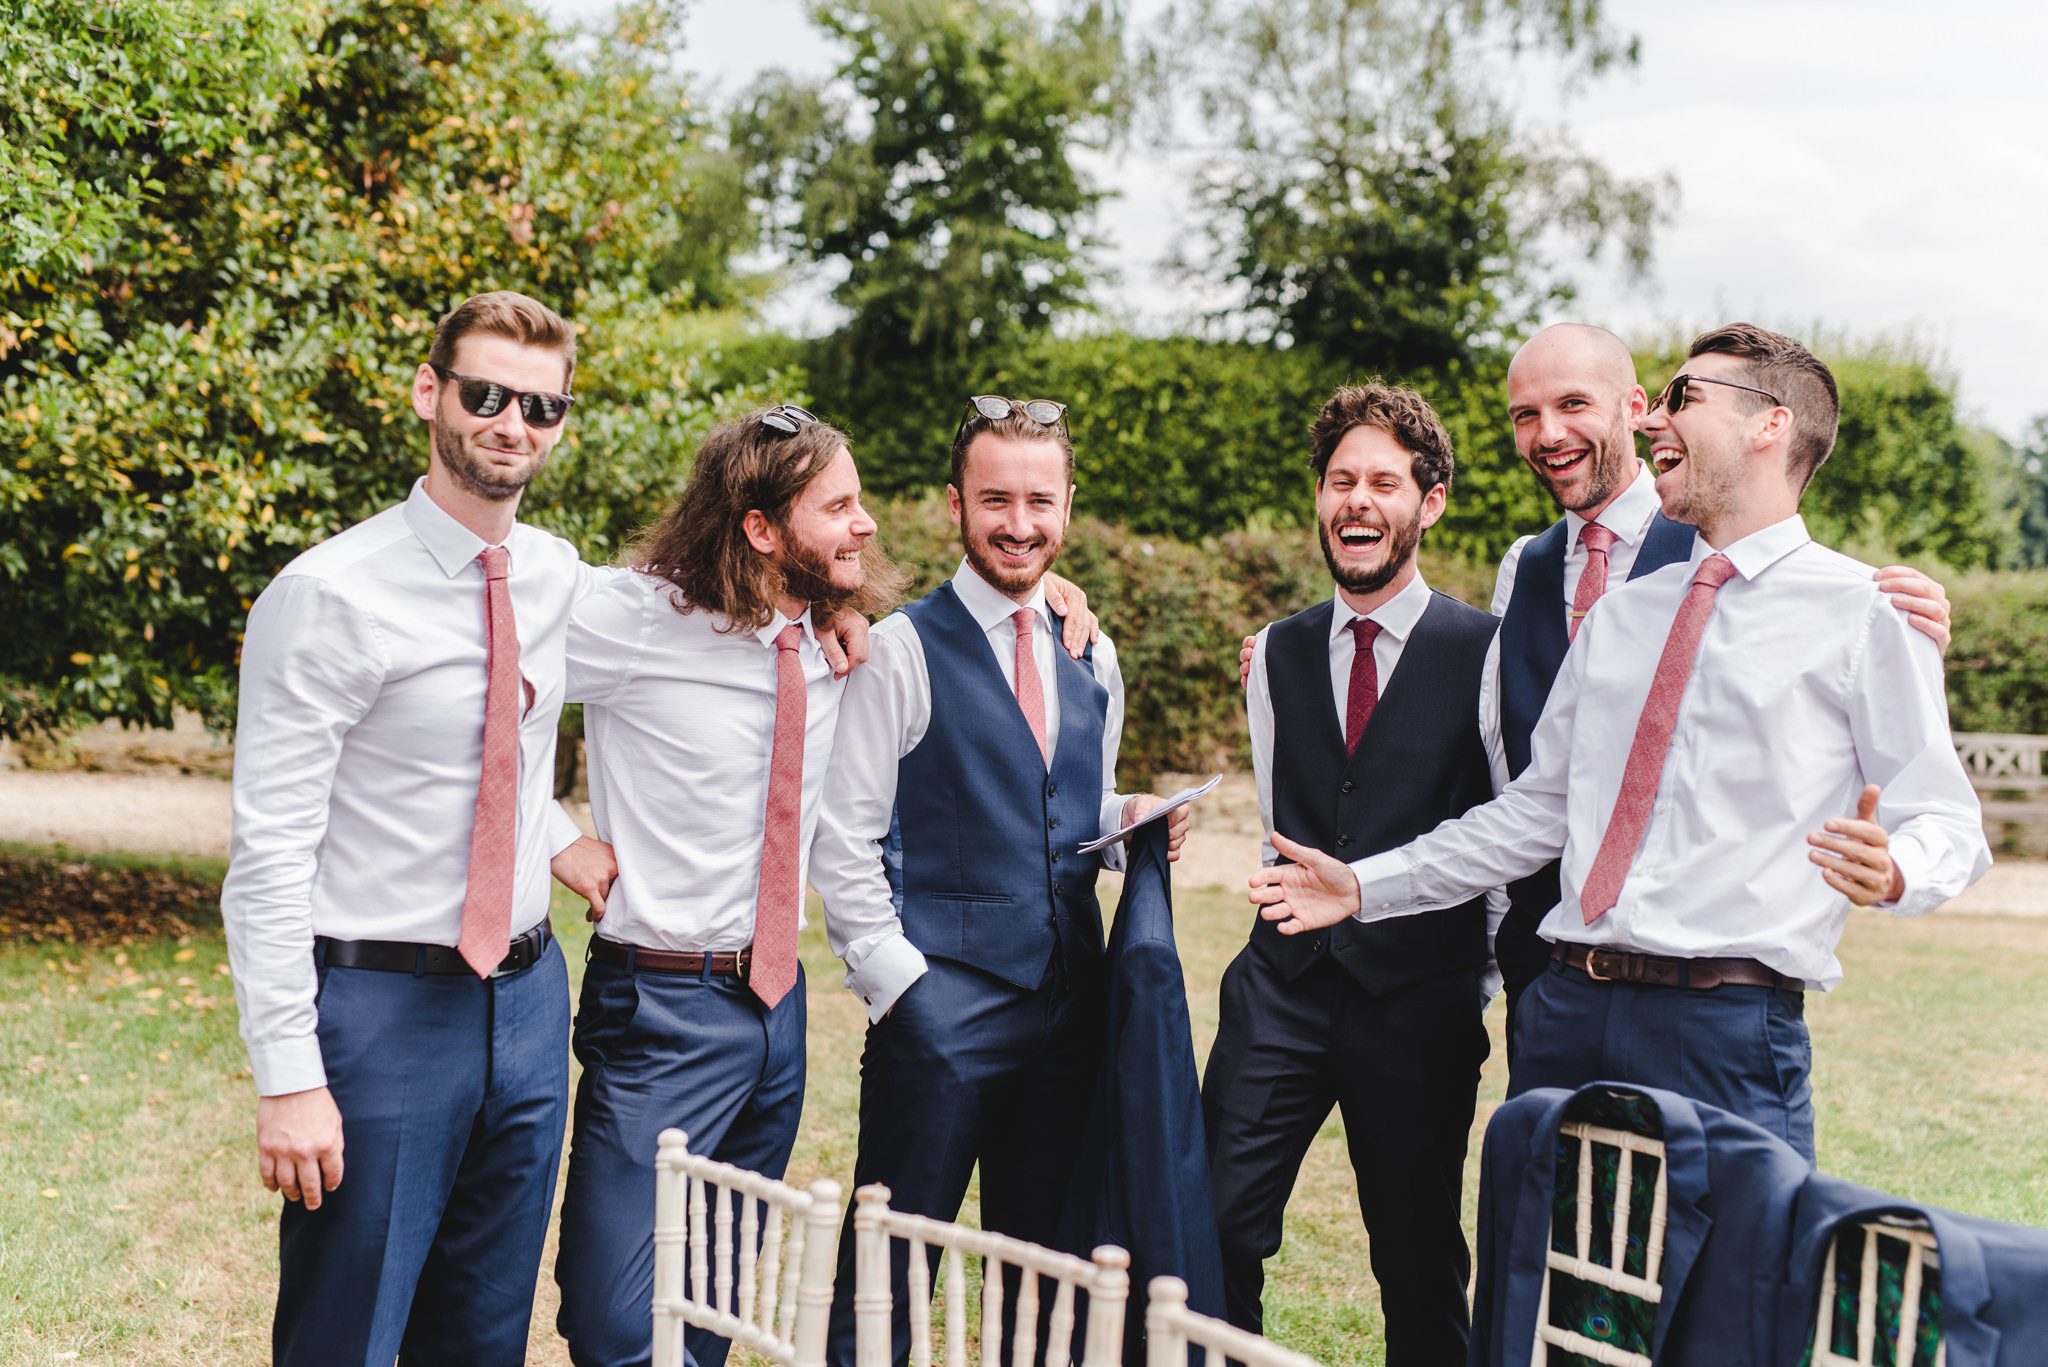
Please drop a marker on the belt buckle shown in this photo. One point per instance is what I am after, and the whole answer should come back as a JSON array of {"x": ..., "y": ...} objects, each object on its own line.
[{"x": 1593, "y": 965}]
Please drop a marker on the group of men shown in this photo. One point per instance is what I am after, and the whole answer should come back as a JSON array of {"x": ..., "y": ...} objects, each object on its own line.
[{"x": 386, "y": 902}]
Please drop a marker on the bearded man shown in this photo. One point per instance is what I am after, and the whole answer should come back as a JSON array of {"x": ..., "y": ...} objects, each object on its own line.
[
  {"x": 972, "y": 759},
  {"x": 1366, "y": 731}
]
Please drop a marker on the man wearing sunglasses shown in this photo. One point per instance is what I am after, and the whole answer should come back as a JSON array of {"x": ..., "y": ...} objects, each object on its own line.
[
  {"x": 1737, "y": 745},
  {"x": 972, "y": 759}
]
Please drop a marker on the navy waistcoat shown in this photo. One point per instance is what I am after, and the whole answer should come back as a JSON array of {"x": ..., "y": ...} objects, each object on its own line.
[
  {"x": 1533, "y": 637},
  {"x": 1421, "y": 762},
  {"x": 980, "y": 854}
]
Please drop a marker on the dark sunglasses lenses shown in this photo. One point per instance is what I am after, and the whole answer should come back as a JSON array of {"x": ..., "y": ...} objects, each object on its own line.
[
  {"x": 787, "y": 417},
  {"x": 1672, "y": 400},
  {"x": 486, "y": 399},
  {"x": 995, "y": 408}
]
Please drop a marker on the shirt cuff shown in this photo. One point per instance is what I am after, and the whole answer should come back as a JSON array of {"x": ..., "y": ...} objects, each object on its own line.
[
  {"x": 1112, "y": 818},
  {"x": 287, "y": 1065},
  {"x": 885, "y": 973},
  {"x": 562, "y": 829},
  {"x": 1385, "y": 888},
  {"x": 1915, "y": 865}
]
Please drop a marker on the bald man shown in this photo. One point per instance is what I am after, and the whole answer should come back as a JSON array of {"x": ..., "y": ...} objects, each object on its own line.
[{"x": 1575, "y": 404}]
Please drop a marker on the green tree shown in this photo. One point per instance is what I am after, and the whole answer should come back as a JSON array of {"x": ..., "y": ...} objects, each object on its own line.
[
  {"x": 1367, "y": 188},
  {"x": 221, "y": 380}
]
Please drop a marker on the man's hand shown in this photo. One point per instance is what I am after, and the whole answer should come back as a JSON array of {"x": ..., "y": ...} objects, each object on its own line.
[
  {"x": 844, "y": 638},
  {"x": 1177, "y": 820},
  {"x": 587, "y": 868},
  {"x": 1314, "y": 891},
  {"x": 298, "y": 1144},
  {"x": 1072, "y": 604},
  {"x": 1924, "y": 602},
  {"x": 1244, "y": 661},
  {"x": 1855, "y": 856}
]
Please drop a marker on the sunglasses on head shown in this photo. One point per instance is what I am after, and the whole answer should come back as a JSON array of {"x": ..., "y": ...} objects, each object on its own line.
[
  {"x": 787, "y": 418},
  {"x": 488, "y": 398},
  {"x": 994, "y": 407},
  {"x": 1679, "y": 393}
]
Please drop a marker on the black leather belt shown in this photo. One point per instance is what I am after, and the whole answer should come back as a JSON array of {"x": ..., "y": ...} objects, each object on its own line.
[
  {"x": 732, "y": 964},
  {"x": 402, "y": 956},
  {"x": 1604, "y": 965}
]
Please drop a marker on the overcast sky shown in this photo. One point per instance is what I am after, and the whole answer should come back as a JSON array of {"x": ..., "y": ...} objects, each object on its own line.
[{"x": 1875, "y": 166}]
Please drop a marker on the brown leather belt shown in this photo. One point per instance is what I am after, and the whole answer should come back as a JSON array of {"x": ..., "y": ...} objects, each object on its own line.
[
  {"x": 734, "y": 964},
  {"x": 1604, "y": 965}
]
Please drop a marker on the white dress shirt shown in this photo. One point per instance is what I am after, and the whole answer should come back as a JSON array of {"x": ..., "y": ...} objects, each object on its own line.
[
  {"x": 1397, "y": 618},
  {"x": 1629, "y": 517},
  {"x": 680, "y": 722},
  {"x": 888, "y": 705},
  {"x": 358, "y": 751},
  {"x": 1808, "y": 685}
]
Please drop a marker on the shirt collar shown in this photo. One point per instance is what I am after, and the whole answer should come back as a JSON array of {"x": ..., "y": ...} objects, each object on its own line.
[
  {"x": 1397, "y": 616},
  {"x": 453, "y": 546},
  {"x": 767, "y": 634},
  {"x": 1628, "y": 516},
  {"x": 989, "y": 605},
  {"x": 1760, "y": 550}
]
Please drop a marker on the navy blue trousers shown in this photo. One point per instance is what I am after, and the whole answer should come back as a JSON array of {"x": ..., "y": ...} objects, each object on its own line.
[
  {"x": 453, "y": 1091},
  {"x": 1743, "y": 1049},
  {"x": 699, "y": 1053},
  {"x": 968, "y": 1068}
]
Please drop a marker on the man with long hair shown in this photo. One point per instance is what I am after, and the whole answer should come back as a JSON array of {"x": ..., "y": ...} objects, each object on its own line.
[
  {"x": 973, "y": 759},
  {"x": 709, "y": 710}
]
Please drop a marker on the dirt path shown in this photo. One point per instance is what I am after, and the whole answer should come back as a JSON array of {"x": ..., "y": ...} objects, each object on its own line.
[{"x": 188, "y": 814}]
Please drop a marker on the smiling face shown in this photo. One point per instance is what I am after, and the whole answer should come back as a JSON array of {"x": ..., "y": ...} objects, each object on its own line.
[
  {"x": 492, "y": 458},
  {"x": 824, "y": 534},
  {"x": 1574, "y": 402},
  {"x": 1370, "y": 512},
  {"x": 1013, "y": 509},
  {"x": 1704, "y": 455}
]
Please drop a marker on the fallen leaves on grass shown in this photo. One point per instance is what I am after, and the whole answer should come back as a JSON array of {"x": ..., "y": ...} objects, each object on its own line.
[{"x": 82, "y": 903}]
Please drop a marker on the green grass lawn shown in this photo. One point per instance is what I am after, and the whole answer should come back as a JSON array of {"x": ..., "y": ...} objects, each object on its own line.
[{"x": 133, "y": 1229}]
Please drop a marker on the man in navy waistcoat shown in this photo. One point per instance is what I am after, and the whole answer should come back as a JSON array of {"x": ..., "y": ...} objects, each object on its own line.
[
  {"x": 973, "y": 757},
  {"x": 1366, "y": 731}
]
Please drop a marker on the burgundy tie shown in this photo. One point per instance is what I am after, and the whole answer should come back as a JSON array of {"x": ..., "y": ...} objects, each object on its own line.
[
  {"x": 1598, "y": 541},
  {"x": 487, "y": 902},
  {"x": 1653, "y": 739},
  {"x": 773, "y": 971},
  {"x": 1030, "y": 688},
  {"x": 1365, "y": 682}
]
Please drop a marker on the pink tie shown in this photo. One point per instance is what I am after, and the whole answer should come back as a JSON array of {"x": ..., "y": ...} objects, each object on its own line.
[
  {"x": 1653, "y": 739},
  {"x": 1030, "y": 688},
  {"x": 1365, "y": 682},
  {"x": 773, "y": 971},
  {"x": 487, "y": 903},
  {"x": 1598, "y": 541}
]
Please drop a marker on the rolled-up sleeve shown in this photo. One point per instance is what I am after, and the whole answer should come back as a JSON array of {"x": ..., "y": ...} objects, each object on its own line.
[{"x": 311, "y": 668}]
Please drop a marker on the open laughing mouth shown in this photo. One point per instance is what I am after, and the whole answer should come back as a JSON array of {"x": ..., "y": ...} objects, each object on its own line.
[
  {"x": 1015, "y": 550},
  {"x": 1562, "y": 462},
  {"x": 1358, "y": 537},
  {"x": 1665, "y": 459}
]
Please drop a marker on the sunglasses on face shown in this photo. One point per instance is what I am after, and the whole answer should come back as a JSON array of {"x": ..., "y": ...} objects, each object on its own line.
[
  {"x": 488, "y": 398},
  {"x": 994, "y": 407},
  {"x": 1679, "y": 393},
  {"x": 787, "y": 418}
]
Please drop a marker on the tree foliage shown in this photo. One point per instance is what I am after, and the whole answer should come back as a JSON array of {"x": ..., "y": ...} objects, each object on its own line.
[
  {"x": 221, "y": 379},
  {"x": 1368, "y": 189},
  {"x": 935, "y": 170}
]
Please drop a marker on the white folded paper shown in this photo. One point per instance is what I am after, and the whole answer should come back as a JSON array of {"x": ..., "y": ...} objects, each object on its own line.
[{"x": 1179, "y": 799}]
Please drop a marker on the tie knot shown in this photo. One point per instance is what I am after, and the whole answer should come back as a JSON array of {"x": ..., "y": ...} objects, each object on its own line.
[
  {"x": 1714, "y": 571},
  {"x": 1597, "y": 540},
  {"x": 1364, "y": 631},
  {"x": 790, "y": 637},
  {"x": 497, "y": 562},
  {"x": 1025, "y": 619}
]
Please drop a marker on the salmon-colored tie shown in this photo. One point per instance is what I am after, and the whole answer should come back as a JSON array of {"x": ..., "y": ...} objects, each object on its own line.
[
  {"x": 773, "y": 972},
  {"x": 1645, "y": 767},
  {"x": 1030, "y": 688},
  {"x": 1364, "y": 693},
  {"x": 487, "y": 903},
  {"x": 1598, "y": 541}
]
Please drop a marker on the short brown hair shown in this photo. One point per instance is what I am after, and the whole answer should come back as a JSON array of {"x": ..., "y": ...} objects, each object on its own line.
[
  {"x": 1401, "y": 413},
  {"x": 1798, "y": 378},
  {"x": 1016, "y": 427},
  {"x": 700, "y": 544},
  {"x": 504, "y": 313}
]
